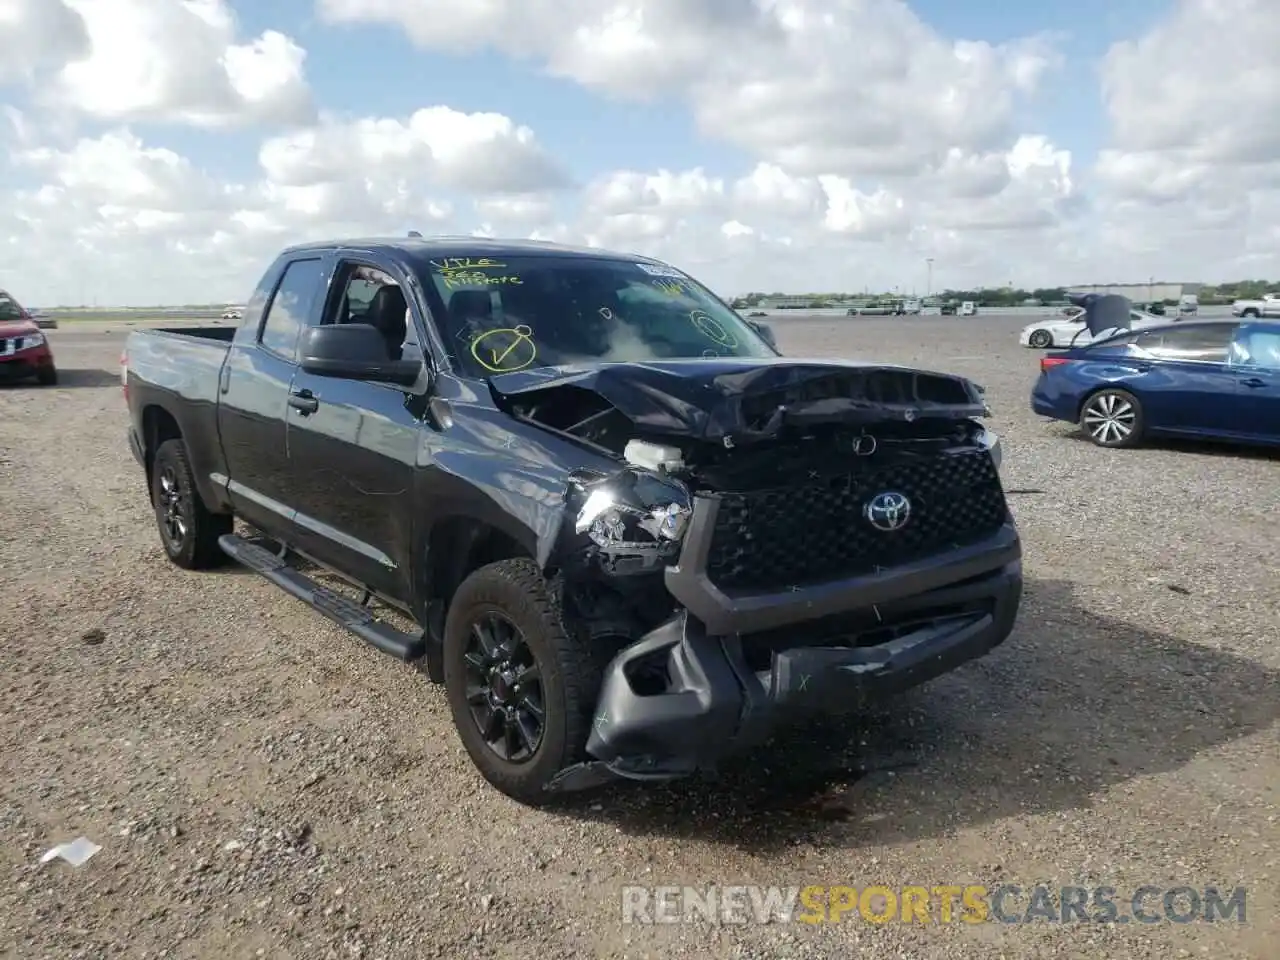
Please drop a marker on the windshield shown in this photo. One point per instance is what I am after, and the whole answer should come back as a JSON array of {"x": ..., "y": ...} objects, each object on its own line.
[
  {"x": 9, "y": 309},
  {"x": 502, "y": 314}
]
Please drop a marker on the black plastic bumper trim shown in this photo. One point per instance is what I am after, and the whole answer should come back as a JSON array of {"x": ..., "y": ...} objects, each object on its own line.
[{"x": 715, "y": 705}]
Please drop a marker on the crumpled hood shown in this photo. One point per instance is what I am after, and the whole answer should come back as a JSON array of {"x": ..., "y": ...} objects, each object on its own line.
[
  {"x": 750, "y": 399},
  {"x": 17, "y": 328}
]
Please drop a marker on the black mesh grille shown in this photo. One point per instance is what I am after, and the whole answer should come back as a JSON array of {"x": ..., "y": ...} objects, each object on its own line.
[{"x": 816, "y": 532}]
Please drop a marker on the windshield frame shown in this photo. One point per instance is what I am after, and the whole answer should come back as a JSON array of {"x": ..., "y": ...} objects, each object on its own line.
[{"x": 461, "y": 364}]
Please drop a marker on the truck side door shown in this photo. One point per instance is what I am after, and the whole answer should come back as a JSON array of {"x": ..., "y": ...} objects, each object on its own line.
[
  {"x": 353, "y": 457},
  {"x": 253, "y": 397}
]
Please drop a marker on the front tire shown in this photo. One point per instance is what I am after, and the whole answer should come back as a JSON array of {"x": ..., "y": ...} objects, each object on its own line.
[
  {"x": 521, "y": 686},
  {"x": 1040, "y": 339},
  {"x": 47, "y": 377},
  {"x": 1113, "y": 418},
  {"x": 189, "y": 532}
]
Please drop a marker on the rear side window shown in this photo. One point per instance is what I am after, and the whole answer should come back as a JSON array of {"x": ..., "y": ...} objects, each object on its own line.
[
  {"x": 1202, "y": 344},
  {"x": 289, "y": 308},
  {"x": 1258, "y": 348}
]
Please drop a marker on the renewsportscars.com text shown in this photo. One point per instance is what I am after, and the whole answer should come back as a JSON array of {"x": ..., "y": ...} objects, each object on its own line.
[{"x": 1003, "y": 903}]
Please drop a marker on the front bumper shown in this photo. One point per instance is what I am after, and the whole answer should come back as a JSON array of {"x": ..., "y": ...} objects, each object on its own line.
[
  {"x": 24, "y": 364},
  {"x": 843, "y": 646}
]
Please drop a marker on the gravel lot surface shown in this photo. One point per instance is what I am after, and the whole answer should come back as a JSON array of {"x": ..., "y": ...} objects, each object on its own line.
[{"x": 263, "y": 784}]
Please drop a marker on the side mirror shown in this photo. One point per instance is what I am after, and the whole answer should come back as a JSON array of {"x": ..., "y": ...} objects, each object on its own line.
[
  {"x": 765, "y": 331},
  {"x": 354, "y": 351}
]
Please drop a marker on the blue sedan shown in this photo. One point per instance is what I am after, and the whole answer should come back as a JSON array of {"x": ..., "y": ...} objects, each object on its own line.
[{"x": 1213, "y": 380}]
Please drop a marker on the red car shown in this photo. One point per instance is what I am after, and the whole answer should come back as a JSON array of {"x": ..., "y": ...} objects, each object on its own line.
[{"x": 24, "y": 350}]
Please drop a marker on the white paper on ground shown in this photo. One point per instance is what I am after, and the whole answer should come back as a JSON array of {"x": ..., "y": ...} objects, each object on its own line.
[{"x": 75, "y": 853}]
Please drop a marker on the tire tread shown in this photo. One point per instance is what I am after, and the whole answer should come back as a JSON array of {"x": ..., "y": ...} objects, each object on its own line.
[
  {"x": 578, "y": 663},
  {"x": 202, "y": 551}
]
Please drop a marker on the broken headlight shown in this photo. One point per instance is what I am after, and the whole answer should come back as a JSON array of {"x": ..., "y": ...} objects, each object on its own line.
[
  {"x": 991, "y": 440},
  {"x": 634, "y": 511}
]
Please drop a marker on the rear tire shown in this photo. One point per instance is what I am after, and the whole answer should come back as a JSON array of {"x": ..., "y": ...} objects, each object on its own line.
[
  {"x": 1112, "y": 418},
  {"x": 1040, "y": 339},
  {"x": 522, "y": 688},
  {"x": 189, "y": 532}
]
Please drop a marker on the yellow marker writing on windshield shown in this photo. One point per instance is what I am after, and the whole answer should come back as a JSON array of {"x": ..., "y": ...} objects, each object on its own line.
[
  {"x": 519, "y": 353},
  {"x": 712, "y": 329}
]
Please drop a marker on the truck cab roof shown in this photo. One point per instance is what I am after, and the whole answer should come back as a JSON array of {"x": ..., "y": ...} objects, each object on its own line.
[{"x": 443, "y": 247}]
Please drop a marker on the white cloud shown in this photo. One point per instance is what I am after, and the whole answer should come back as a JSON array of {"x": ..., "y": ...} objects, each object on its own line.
[
  {"x": 38, "y": 34},
  {"x": 1190, "y": 176},
  {"x": 770, "y": 191},
  {"x": 177, "y": 61},
  {"x": 113, "y": 197},
  {"x": 851, "y": 87},
  {"x": 633, "y": 49},
  {"x": 118, "y": 169},
  {"x": 869, "y": 142},
  {"x": 528, "y": 210},
  {"x": 478, "y": 152}
]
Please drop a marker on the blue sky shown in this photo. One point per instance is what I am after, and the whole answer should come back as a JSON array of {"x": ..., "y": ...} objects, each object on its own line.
[{"x": 375, "y": 70}]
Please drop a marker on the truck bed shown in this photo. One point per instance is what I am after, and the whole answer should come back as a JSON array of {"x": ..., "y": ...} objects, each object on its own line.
[
  {"x": 181, "y": 362},
  {"x": 222, "y": 333}
]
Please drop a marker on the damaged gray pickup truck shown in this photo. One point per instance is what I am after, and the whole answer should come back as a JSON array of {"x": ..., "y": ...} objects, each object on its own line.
[{"x": 633, "y": 537}]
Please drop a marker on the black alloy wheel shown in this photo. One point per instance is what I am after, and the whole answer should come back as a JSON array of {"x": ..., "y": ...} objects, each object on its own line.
[
  {"x": 173, "y": 508},
  {"x": 504, "y": 688},
  {"x": 189, "y": 532}
]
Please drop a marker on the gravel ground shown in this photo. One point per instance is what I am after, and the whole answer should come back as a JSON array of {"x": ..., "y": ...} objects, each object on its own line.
[{"x": 262, "y": 784}]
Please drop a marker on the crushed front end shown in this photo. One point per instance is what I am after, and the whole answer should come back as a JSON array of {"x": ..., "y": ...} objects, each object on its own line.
[{"x": 843, "y": 552}]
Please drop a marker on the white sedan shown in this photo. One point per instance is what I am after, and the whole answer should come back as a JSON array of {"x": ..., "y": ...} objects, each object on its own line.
[{"x": 1067, "y": 328}]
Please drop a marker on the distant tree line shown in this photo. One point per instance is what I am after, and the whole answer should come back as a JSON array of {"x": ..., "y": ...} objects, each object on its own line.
[
  {"x": 993, "y": 297},
  {"x": 1006, "y": 296},
  {"x": 1238, "y": 290}
]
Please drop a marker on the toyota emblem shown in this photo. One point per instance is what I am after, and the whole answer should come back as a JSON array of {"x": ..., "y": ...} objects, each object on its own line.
[{"x": 888, "y": 512}]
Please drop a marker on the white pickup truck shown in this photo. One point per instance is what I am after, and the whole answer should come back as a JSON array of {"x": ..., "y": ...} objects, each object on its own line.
[{"x": 1268, "y": 306}]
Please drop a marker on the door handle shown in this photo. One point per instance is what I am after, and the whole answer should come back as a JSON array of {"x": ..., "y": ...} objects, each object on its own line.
[
  {"x": 304, "y": 401},
  {"x": 1253, "y": 382}
]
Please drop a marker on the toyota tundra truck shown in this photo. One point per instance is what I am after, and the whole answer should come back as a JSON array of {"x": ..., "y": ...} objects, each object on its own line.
[{"x": 627, "y": 535}]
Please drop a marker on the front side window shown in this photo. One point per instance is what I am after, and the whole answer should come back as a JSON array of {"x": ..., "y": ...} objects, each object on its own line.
[
  {"x": 366, "y": 294},
  {"x": 503, "y": 314}
]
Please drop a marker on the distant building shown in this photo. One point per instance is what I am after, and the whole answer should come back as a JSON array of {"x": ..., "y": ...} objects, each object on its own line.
[
  {"x": 1141, "y": 291},
  {"x": 785, "y": 303}
]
